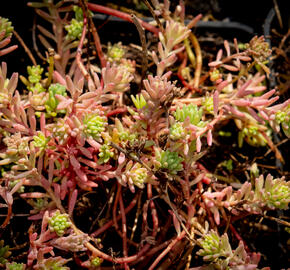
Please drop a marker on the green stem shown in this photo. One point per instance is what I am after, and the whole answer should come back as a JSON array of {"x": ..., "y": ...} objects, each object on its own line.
[{"x": 189, "y": 52}]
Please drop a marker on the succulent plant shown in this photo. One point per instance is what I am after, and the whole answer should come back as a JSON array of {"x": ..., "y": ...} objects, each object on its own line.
[
  {"x": 275, "y": 193},
  {"x": 74, "y": 29},
  {"x": 214, "y": 246},
  {"x": 53, "y": 263},
  {"x": 4, "y": 252},
  {"x": 139, "y": 101},
  {"x": 52, "y": 102},
  {"x": 96, "y": 262},
  {"x": 94, "y": 125},
  {"x": 126, "y": 141},
  {"x": 170, "y": 161},
  {"x": 105, "y": 153},
  {"x": 190, "y": 111},
  {"x": 58, "y": 223},
  {"x": 15, "y": 266},
  {"x": 40, "y": 141},
  {"x": 5, "y": 27},
  {"x": 115, "y": 52},
  {"x": 177, "y": 131}
]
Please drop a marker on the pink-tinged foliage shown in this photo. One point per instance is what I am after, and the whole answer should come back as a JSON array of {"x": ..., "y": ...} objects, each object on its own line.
[{"x": 81, "y": 137}]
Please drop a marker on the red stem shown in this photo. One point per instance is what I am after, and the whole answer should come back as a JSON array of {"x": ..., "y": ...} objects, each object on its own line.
[
  {"x": 116, "y": 111},
  {"x": 153, "y": 210},
  {"x": 153, "y": 251},
  {"x": 115, "y": 207},
  {"x": 79, "y": 51},
  {"x": 124, "y": 229},
  {"x": 122, "y": 15},
  {"x": 8, "y": 216},
  {"x": 183, "y": 81},
  {"x": 165, "y": 251},
  {"x": 236, "y": 234},
  {"x": 98, "y": 44},
  {"x": 110, "y": 223}
]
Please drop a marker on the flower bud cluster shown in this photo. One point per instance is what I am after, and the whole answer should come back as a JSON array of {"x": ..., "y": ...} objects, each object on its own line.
[
  {"x": 58, "y": 223},
  {"x": 40, "y": 141},
  {"x": 34, "y": 73},
  {"x": 170, "y": 161},
  {"x": 15, "y": 266},
  {"x": 218, "y": 251},
  {"x": 4, "y": 252},
  {"x": 122, "y": 134},
  {"x": 60, "y": 131},
  {"x": 214, "y": 246},
  {"x": 6, "y": 27},
  {"x": 138, "y": 175},
  {"x": 275, "y": 193},
  {"x": 190, "y": 111},
  {"x": 177, "y": 131},
  {"x": 115, "y": 52},
  {"x": 280, "y": 117},
  {"x": 16, "y": 145},
  {"x": 134, "y": 175},
  {"x": 72, "y": 242},
  {"x": 188, "y": 120},
  {"x": 34, "y": 77},
  {"x": 39, "y": 204},
  {"x": 208, "y": 104},
  {"x": 94, "y": 125},
  {"x": 52, "y": 102},
  {"x": 106, "y": 152},
  {"x": 75, "y": 28},
  {"x": 12, "y": 184},
  {"x": 96, "y": 262},
  {"x": 252, "y": 136},
  {"x": 283, "y": 118}
]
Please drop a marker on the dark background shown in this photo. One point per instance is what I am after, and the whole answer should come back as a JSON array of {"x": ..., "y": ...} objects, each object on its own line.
[{"x": 249, "y": 12}]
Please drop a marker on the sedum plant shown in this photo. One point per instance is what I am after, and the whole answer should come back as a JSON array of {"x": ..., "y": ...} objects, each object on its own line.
[
  {"x": 4, "y": 252},
  {"x": 105, "y": 144},
  {"x": 191, "y": 112},
  {"x": 15, "y": 266},
  {"x": 217, "y": 250},
  {"x": 273, "y": 192},
  {"x": 94, "y": 125},
  {"x": 6, "y": 30},
  {"x": 52, "y": 101},
  {"x": 58, "y": 223},
  {"x": 170, "y": 161}
]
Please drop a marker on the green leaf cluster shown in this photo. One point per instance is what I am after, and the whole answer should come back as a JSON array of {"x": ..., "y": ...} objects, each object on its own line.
[
  {"x": 58, "y": 223},
  {"x": 6, "y": 27},
  {"x": 52, "y": 102},
  {"x": 171, "y": 161},
  {"x": 190, "y": 111}
]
